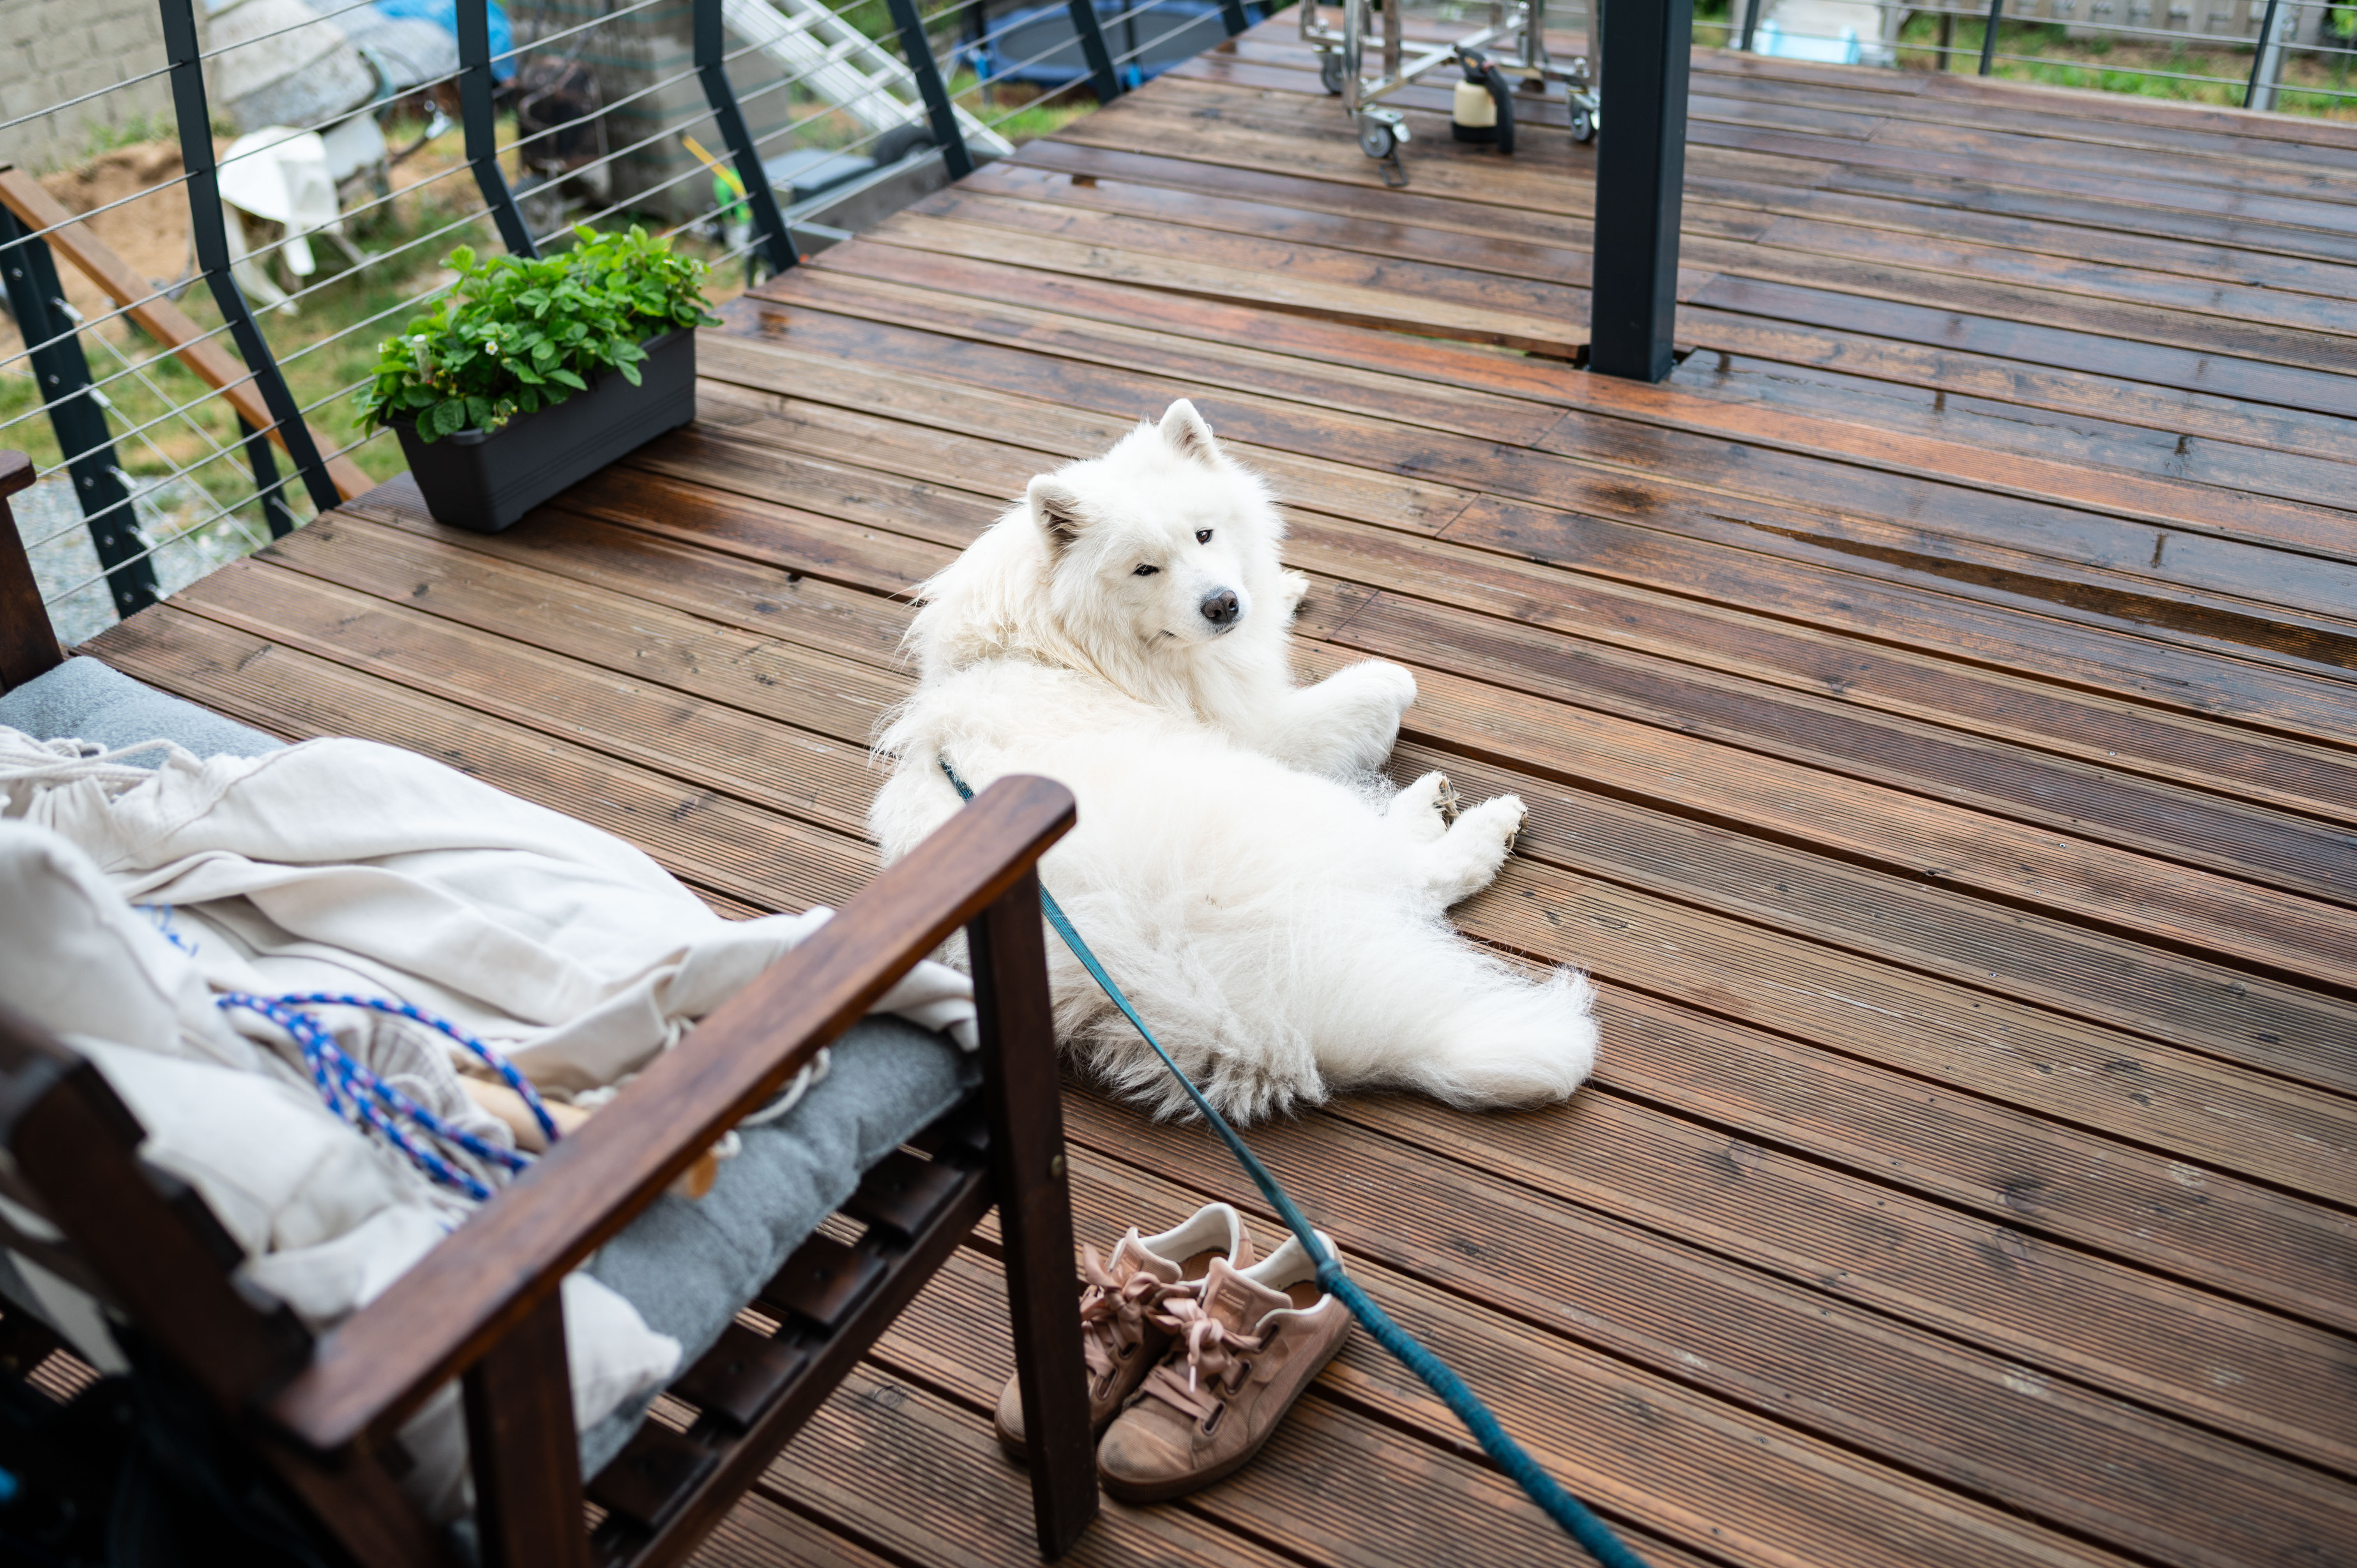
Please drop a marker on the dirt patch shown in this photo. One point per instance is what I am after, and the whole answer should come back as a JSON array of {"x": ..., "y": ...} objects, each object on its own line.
[{"x": 150, "y": 232}]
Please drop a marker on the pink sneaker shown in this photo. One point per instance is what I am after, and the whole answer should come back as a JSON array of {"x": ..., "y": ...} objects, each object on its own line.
[
  {"x": 1118, "y": 1333},
  {"x": 1245, "y": 1343}
]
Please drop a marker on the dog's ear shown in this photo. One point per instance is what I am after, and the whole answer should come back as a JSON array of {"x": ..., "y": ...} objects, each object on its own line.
[
  {"x": 1186, "y": 433},
  {"x": 1056, "y": 510}
]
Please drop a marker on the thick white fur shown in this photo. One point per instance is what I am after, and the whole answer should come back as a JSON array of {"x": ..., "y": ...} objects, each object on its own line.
[{"x": 1283, "y": 932}]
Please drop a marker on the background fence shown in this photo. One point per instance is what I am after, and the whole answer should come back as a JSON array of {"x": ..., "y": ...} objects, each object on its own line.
[{"x": 2284, "y": 55}]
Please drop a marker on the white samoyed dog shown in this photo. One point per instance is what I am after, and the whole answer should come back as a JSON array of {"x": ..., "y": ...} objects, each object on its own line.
[{"x": 1123, "y": 629}]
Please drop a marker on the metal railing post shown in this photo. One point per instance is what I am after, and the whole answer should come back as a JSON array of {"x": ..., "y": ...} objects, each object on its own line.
[
  {"x": 61, "y": 376},
  {"x": 210, "y": 235},
  {"x": 2266, "y": 63},
  {"x": 1639, "y": 189},
  {"x": 474, "y": 19},
  {"x": 266, "y": 487},
  {"x": 720, "y": 95},
  {"x": 1988, "y": 37},
  {"x": 1232, "y": 15},
  {"x": 1093, "y": 51},
  {"x": 1751, "y": 24},
  {"x": 919, "y": 50}
]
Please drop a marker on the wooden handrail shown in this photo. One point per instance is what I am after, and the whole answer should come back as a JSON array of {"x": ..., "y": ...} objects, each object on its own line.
[
  {"x": 446, "y": 1313},
  {"x": 166, "y": 322}
]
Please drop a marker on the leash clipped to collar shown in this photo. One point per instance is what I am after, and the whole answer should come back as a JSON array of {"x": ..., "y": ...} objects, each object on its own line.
[{"x": 1592, "y": 1533}]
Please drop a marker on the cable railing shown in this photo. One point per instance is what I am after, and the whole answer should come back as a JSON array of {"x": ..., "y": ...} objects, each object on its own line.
[{"x": 178, "y": 420}]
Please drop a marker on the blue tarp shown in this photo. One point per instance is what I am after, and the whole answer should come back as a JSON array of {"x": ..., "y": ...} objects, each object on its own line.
[{"x": 443, "y": 14}]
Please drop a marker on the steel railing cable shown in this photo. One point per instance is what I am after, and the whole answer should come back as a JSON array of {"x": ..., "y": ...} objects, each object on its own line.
[
  {"x": 1058, "y": 48},
  {"x": 1189, "y": 24},
  {"x": 1594, "y": 1536},
  {"x": 152, "y": 550},
  {"x": 313, "y": 20},
  {"x": 1047, "y": 97},
  {"x": 599, "y": 21},
  {"x": 176, "y": 181},
  {"x": 142, "y": 486},
  {"x": 47, "y": 109}
]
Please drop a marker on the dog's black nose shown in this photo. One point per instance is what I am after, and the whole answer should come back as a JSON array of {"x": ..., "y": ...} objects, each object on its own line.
[{"x": 1221, "y": 608}]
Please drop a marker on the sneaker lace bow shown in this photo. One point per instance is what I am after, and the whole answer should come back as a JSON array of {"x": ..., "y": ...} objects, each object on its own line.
[
  {"x": 1214, "y": 1356},
  {"x": 1113, "y": 1311}
]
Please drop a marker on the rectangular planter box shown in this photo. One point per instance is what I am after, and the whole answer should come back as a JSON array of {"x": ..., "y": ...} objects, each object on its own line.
[{"x": 484, "y": 480}]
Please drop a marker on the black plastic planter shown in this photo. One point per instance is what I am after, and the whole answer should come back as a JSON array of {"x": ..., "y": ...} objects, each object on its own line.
[{"x": 484, "y": 480}]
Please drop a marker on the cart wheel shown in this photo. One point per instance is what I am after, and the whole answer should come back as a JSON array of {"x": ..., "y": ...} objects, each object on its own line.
[
  {"x": 1329, "y": 72},
  {"x": 1375, "y": 138},
  {"x": 1583, "y": 125}
]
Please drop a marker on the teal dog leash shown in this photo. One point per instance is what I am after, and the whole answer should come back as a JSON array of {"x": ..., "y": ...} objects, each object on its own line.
[{"x": 1592, "y": 1533}]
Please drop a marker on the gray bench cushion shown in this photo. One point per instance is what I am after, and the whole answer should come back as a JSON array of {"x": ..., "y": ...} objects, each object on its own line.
[
  {"x": 90, "y": 701},
  {"x": 687, "y": 1265}
]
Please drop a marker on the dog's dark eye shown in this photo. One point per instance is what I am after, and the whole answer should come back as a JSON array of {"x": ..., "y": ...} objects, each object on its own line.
[
  {"x": 1202, "y": 536},
  {"x": 1146, "y": 571}
]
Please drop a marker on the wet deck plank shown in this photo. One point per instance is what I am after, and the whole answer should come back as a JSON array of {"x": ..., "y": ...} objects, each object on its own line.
[{"x": 1937, "y": 701}]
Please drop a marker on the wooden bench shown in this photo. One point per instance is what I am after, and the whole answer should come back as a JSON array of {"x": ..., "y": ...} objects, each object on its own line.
[{"x": 483, "y": 1306}]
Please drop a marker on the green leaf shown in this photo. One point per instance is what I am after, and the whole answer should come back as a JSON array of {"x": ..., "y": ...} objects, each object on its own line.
[
  {"x": 569, "y": 379},
  {"x": 450, "y": 414}
]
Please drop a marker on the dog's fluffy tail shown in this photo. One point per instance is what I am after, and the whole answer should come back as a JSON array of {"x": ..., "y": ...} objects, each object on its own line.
[{"x": 1511, "y": 1041}]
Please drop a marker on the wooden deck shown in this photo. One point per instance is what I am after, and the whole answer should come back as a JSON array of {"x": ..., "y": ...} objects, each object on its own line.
[{"x": 1938, "y": 705}]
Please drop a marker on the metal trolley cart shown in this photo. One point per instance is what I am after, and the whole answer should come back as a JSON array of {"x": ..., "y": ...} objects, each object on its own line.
[{"x": 1516, "y": 31}]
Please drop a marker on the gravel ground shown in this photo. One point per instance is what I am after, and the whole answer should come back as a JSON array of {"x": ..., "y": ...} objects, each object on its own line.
[{"x": 173, "y": 515}]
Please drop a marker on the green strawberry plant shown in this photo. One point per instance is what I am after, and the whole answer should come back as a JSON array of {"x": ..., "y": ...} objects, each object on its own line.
[{"x": 514, "y": 335}]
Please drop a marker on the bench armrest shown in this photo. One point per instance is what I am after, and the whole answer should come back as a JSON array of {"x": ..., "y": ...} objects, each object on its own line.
[{"x": 445, "y": 1314}]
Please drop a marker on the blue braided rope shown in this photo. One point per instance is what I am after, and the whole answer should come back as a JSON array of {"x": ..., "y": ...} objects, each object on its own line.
[
  {"x": 358, "y": 1095},
  {"x": 1594, "y": 1536},
  {"x": 507, "y": 1072}
]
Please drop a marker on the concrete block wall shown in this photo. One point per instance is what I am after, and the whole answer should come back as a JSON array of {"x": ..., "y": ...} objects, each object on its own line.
[{"x": 52, "y": 50}]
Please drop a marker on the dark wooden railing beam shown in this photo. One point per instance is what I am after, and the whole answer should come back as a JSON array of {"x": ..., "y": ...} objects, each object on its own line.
[{"x": 1640, "y": 166}]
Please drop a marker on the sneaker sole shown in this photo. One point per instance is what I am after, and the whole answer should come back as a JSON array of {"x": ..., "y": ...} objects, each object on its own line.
[{"x": 1180, "y": 1485}]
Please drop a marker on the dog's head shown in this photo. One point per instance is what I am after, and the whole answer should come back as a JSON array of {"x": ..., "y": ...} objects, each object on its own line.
[
  {"x": 1155, "y": 565},
  {"x": 1158, "y": 547}
]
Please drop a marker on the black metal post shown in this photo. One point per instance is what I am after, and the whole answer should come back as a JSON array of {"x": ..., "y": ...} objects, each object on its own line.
[
  {"x": 919, "y": 50},
  {"x": 1641, "y": 164},
  {"x": 474, "y": 19},
  {"x": 61, "y": 375},
  {"x": 1751, "y": 24},
  {"x": 210, "y": 235},
  {"x": 1092, "y": 49},
  {"x": 2259, "y": 56},
  {"x": 1988, "y": 37},
  {"x": 776, "y": 245},
  {"x": 266, "y": 487},
  {"x": 1231, "y": 14},
  {"x": 1947, "y": 35}
]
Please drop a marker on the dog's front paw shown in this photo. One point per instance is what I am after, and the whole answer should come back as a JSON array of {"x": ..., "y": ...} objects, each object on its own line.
[
  {"x": 1292, "y": 587},
  {"x": 1384, "y": 682}
]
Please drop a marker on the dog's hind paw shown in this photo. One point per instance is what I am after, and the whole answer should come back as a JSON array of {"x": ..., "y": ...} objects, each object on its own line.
[{"x": 1501, "y": 815}]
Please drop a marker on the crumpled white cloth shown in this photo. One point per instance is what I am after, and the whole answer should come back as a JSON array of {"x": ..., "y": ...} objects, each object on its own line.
[
  {"x": 130, "y": 899},
  {"x": 347, "y": 867}
]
